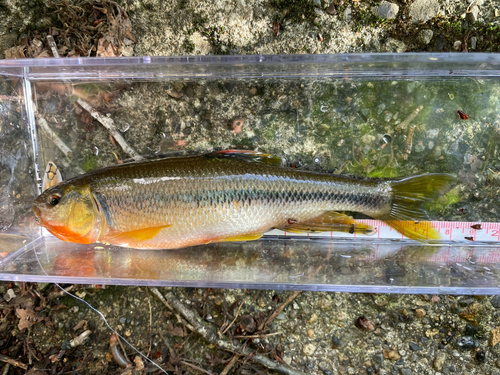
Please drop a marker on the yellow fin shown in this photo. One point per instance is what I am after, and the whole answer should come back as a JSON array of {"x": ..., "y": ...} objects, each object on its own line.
[
  {"x": 244, "y": 237},
  {"x": 248, "y": 156},
  {"x": 329, "y": 221},
  {"x": 139, "y": 235},
  {"x": 416, "y": 230},
  {"x": 409, "y": 196}
]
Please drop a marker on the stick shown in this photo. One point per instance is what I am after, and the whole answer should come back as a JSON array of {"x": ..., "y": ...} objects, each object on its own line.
[
  {"x": 157, "y": 293},
  {"x": 230, "y": 365},
  {"x": 278, "y": 310},
  {"x": 12, "y": 98},
  {"x": 209, "y": 333},
  {"x": 236, "y": 317},
  {"x": 109, "y": 124},
  {"x": 13, "y": 362},
  {"x": 197, "y": 368},
  {"x": 52, "y": 45},
  {"x": 258, "y": 336},
  {"x": 54, "y": 137}
]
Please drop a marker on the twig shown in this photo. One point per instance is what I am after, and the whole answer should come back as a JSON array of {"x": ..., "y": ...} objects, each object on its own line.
[
  {"x": 13, "y": 362},
  {"x": 61, "y": 292},
  {"x": 230, "y": 365},
  {"x": 236, "y": 317},
  {"x": 12, "y": 98},
  {"x": 109, "y": 124},
  {"x": 406, "y": 121},
  {"x": 157, "y": 293},
  {"x": 5, "y": 369},
  {"x": 150, "y": 324},
  {"x": 257, "y": 336},
  {"x": 52, "y": 45},
  {"x": 278, "y": 310},
  {"x": 209, "y": 333},
  {"x": 197, "y": 368},
  {"x": 54, "y": 137}
]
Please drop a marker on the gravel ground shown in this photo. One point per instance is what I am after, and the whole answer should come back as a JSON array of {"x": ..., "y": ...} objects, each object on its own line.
[{"x": 320, "y": 333}]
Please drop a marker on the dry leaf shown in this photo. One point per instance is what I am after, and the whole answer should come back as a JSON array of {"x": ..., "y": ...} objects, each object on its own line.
[
  {"x": 16, "y": 52},
  {"x": 27, "y": 318},
  {"x": 45, "y": 53},
  {"x": 81, "y": 324},
  {"x": 105, "y": 47}
]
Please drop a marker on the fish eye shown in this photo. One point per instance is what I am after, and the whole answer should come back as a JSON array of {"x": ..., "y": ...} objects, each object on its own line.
[{"x": 54, "y": 199}]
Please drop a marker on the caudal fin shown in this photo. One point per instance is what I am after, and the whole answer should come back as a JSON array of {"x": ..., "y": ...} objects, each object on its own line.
[{"x": 407, "y": 213}]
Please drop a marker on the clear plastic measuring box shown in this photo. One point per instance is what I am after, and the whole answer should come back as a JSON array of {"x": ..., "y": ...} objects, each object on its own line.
[{"x": 368, "y": 115}]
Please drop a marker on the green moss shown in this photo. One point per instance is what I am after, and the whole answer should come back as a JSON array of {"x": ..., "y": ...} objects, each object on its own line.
[
  {"x": 438, "y": 205},
  {"x": 188, "y": 45},
  {"x": 386, "y": 172},
  {"x": 89, "y": 163}
]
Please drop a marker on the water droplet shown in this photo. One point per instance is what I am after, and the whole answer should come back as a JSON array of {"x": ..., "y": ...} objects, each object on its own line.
[
  {"x": 387, "y": 138},
  {"x": 95, "y": 150},
  {"x": 323, "y": 108},
  {"x": 123, "y": 126},
  {"x": 317, "y": 160}
]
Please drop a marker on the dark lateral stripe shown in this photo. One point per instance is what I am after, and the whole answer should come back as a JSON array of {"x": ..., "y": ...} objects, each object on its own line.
[{"x": 217, "y": 197}]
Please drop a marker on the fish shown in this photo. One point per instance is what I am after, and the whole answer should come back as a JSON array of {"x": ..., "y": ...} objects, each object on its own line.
[{"x": 231, "y": 195}]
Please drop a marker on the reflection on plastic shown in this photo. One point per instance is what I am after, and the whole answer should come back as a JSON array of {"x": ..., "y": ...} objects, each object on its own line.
[{"x": 294, "y": 264}]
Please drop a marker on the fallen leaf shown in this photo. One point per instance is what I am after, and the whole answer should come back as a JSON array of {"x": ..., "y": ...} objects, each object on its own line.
[
  {"x": 16, "y": 52},
  {"x": 27, "y": 318}
]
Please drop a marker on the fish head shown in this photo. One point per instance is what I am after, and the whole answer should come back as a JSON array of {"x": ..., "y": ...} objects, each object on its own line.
[{"x": 70, "y": 212}]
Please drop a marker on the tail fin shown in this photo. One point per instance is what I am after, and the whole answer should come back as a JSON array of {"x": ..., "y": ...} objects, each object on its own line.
[{"x": 410, "y": 194}]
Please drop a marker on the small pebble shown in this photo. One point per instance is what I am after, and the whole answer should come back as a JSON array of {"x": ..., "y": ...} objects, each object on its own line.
[
  {"x": 495, "y": 336},
  {"x": 309, "y": 349},
  {"x": 414, "y": 347},
  {"x": 379, "y": 358},
  {"x": 425, "y": 36},
  {"x": 310, "y": 333},
  {"x": 405, "y": 371},
  {"x": 481, "y": 356},
  {"x": 420, "y": 313},
  {"x": 467, "y": 342},
  {"x": 313, "y": 319},
  {"x": 435, "y": 299},
  {"x": 495, "y": 302},
  {"x": 472, "y": 13},
  {"x": 9, "y": 295},
  {"x": 439, "y": 360},
  {"x": 364, "y": 324},
  {"x": 392, "y": 355},
  {"x": 457, "y": 45},
  {"x": 473, "y": 42}
]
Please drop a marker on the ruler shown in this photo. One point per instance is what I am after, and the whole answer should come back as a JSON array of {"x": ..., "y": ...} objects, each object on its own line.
[{"x": 451, "y": 231}]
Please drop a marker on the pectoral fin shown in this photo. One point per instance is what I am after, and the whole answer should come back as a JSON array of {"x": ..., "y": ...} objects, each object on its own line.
[
  {"x": 328, "y": 222},
  {"x": 138, "y": 235}
]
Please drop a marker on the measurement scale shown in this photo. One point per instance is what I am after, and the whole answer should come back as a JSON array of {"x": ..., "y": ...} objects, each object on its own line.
[
  {"x": 451, "y": 231},
  {"x": 462, "y": 243}
]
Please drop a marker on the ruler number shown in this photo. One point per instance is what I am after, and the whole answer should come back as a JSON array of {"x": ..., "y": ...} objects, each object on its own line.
[
  {"x": 494, "y": 233},
  {"x": 447, "y": 231}
]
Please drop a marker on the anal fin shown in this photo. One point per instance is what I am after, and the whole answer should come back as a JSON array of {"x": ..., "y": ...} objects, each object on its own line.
[
  {"x": 329, "y": 221},
  {"x": 244, "y": 237}
]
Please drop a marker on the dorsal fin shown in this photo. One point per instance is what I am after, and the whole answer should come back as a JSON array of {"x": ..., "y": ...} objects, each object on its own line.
[{"x": 248, "y": 156}]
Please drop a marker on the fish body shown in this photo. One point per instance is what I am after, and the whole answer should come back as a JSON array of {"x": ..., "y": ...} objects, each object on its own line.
[{"x": 225, "y": 196}]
